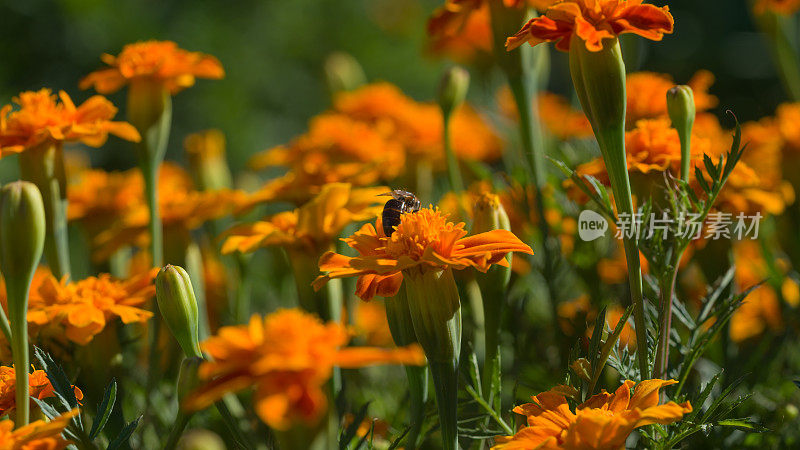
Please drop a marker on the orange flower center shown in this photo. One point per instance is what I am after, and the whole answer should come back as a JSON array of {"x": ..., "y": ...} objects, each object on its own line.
[{"x": 425, "y": 229}]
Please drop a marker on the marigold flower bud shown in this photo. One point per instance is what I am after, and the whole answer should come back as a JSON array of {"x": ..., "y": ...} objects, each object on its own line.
[
  {"x": 22, "y": 234},
  {"x": 681, "y": 109},
  {"x": 178, "y": 307},
  {"x": 201, "y": 440},
  {"x": 206, "y": 154},
  {"x": 22, "y": 230},
  {"x": 453, "y": 88},
  {"x": 343, "y": 73}
]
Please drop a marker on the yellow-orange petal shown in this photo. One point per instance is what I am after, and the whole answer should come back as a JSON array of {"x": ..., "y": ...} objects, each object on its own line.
[{"x": 355, "y": 357}]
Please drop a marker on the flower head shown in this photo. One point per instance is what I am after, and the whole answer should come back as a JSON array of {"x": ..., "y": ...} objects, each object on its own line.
[
  {"x": 423, "y": 240},
  {"x": 604, "y": 421},
  {"x": 418, "y": 127},
  {"x": 761, "y": 310},
  {"x": 183, "y": 209},
  {"x": 161, "y": 61},
  {"x": 593, "y": 21},
  {"x": 43, "y": 117},
  {"x": 784, "y": 7},
  {"x": 82, "y": 309},
  {"x": 40, "y": 388},
  {"x": 39, "y": 435},
  {"x": 336, "y": 149},
  {"x": 313, "y": 226},
  {"x": 287, "y": 356}
]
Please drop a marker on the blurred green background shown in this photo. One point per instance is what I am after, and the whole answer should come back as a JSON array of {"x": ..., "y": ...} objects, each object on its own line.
[{"x": 273, "y": 52}]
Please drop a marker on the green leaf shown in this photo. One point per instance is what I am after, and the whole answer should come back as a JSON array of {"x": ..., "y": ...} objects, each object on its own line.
[
  {"x": 744, "y": 425},
  {"x": 397, "y": 441},
  {"x": 105, "y": 408},
  {"x": 124, "y": 435},
  {"x": 349, "y": 433}
]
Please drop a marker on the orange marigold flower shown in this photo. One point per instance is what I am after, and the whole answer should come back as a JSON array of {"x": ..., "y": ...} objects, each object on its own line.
[
  {"x": 370, "y": 322},
  {"x": 313, "y": 226},
  {"x": 39, "y": 435},
  {"x": 647, "y": 94},
  {"x": 757, "y": 184},
  {"x": 465, "y": 41},
  {"x": 556, "y": 114},
  {"x": 84, "y": 308},
  {"x": 336, "y": 149},
  {"x": 287, "y": 356},
  {"x": 41, "y": 117},
  {"x": 98, "y": 198},
  {"x": 604, "y": 421},
  {"x": 788, "y": 122},
  {"x": 40, "y": 388},
  {"x": 593, "y": 21},
  {"x": 423, "y": 240},
  {"x": 183, "y": 209},
  {"x": 162, "y": 61},
  {"x": 419, "y": 126},
  {"x": 653, "y": 146},
  {"x": 761, "y": 309},
  {"x": 785, "y": 7}
]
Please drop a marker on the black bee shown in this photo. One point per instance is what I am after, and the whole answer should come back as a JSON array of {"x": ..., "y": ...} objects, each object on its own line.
[{"x": 402, "y": 202}]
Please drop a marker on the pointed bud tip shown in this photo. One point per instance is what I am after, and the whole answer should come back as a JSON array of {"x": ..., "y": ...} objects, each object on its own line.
[
  {"x": 178, "y": 307},
  {"x": 453, "y": 88}
]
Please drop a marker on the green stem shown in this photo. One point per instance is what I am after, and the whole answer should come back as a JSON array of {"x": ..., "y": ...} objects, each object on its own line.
[
  {"x": 176, "y": 431},
  {"x": 445, "y": 382},
  {"x": 493, "y": 303},
  {"x": 785, "y": 55},
  {"x": 685, "y": 136},
  {"x": 150, "y": 173},
  {"x": 453, "y": 172},
  {"x": 402, "y": 329},
  {"x": 241, "y": 306},
  {"x": 418, "y": 394},
  {"x": 43, "y": 165},
  {"x": 17, "y": 309},
  {"x": 667, "y": 290}
]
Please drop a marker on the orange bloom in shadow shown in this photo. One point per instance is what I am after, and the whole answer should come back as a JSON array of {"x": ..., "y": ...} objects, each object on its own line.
[
  {"x": 761, "y": 310},
  {"x": 604, "y": 421},
  {"x": 287, "y": 357},
  {"x": 757, "y": 184},
  {"x": 556, "y": 114},
  {"x": 40, "y": 388},
  {"x": 784, "y": 7},
  {"x": 313, "y": 226},
  {"x": 647, "y": 94},
  {"x": 423, "y": 240},
  {"x": 98, "y": 198},
  {"x": 417, "y": 126},
  {"x": 182, "y": 208},
  {"x": 788, "y": 121},
  {"x": 463, "y": 37},
  {"x": 82, "y": 309},
  {"x": 41, "y": 117},
  {"x": 336, "y": 149},
  {"x": 39, "y": 435},
  {"x": 161, "y": 61},
  {"x": 593, "y": 21}
]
